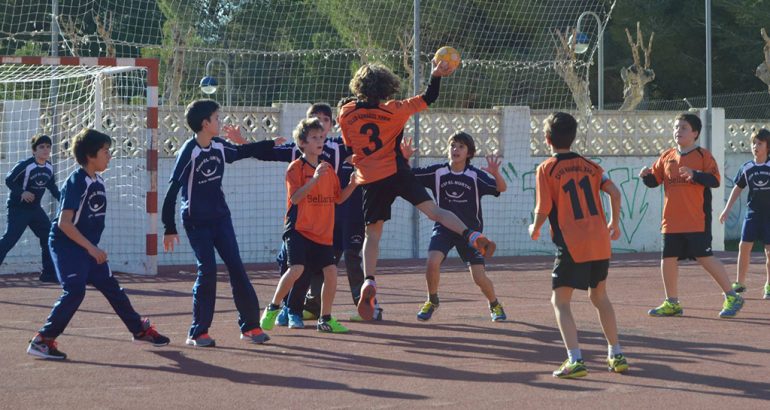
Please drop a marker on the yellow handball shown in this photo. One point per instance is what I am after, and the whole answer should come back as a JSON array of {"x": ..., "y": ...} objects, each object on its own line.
[{"x": 450, "y": 55}]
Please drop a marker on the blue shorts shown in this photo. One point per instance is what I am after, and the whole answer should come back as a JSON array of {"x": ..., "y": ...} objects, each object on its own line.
[
  {"x": 756, "y": 228},
  {"x": 443, "y": 241},
  {"x": 302, "y": 251}
]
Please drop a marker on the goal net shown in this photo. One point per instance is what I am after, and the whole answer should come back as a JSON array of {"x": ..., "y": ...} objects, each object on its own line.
[{"x": 59, "y": 100}]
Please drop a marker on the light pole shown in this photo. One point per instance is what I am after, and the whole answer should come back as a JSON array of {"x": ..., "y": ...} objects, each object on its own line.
[
  {"x": 209, "y": 84},
  {"x": 582, "y": 46}
]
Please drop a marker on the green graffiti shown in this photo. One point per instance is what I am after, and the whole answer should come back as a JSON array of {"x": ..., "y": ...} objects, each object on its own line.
[{"x": 634, "y": 203}]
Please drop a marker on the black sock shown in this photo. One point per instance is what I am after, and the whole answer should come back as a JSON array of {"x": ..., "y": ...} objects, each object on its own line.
[
  {"x": 466, "y": 234},
  {"x": 493, "y": 304},
  {"x": 433, "y": 298},
  {"x": 370, "y": 277},
  {"x": 326, "y": 318},
  {"x": 273, "y": 307}
]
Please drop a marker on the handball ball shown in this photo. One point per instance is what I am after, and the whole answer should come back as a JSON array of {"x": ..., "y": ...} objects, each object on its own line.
[{"x": 450, "y": 55}]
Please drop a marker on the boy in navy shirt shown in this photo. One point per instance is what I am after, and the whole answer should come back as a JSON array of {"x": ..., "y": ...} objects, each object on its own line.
[
  {"x": 755, "y": 175},
  {"x": 74, "y": 238},
  {"x": 28, "y": 181},
  {"x": 458, "y": 186},
  {"x": 198, "y": 172}
]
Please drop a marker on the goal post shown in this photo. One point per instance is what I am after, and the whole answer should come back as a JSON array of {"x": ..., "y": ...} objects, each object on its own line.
[{"x": 59, "y": 96}]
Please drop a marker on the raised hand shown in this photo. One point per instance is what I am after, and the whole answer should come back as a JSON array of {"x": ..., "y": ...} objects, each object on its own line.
[
  {"x": 493, "y": 165},
  {"x": 321, "y": 169},
  {"x": 644, "y": 172},
  {"x": 440, "y": 68},
  {"x": 406, "y": 147},
  {"x": 233, "y": 134},
  {"x": 169, "y": 241}
]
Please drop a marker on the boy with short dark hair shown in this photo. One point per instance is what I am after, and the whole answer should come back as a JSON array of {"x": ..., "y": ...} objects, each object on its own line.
[
  {"x": 28, "y": 181},
  {"x": 458, "y": 186},
  {"x": 567, "y": 192},
  {"x": 373, "y": 127},
  {"x": 74, "y": 238},
  {"x": 198, "y": 173},
  {"x": 687, "y": 173},
  {"x": 312, "y": 190},
  {"x": 755, "y": 175}
]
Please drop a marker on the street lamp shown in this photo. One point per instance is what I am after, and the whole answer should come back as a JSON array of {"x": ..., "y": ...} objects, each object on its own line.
[
  {"x": 581, "y": 46},
  {"x": 209, "y": 84}
]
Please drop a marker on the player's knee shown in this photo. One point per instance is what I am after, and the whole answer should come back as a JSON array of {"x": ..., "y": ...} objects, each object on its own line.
[{"x": 74, "y": 292}]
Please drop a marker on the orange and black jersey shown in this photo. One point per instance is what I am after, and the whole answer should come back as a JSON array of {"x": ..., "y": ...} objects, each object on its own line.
[
  {"x": 567, "y": 190},
  {"x": 686, "y": 202},
  {"x": 374, "y": 132},
  {"x": 313, "y": 216}
]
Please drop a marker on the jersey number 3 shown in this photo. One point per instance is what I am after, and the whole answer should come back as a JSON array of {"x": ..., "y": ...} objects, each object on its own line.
[
  {"x": 373, "y": 131},
  {"x": 585, "y": 185}
]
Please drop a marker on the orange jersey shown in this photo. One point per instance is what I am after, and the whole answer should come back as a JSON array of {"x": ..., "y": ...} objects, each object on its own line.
[
  {"x": 686, "y": 204},
  {"x": 313, "y": 216},
  {"x": 374, "y": 134},
  {"x": 567, "y": 190}
]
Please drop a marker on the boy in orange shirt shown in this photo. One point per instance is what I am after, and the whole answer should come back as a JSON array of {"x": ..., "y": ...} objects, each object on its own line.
[
  {"x": 312, "y": 190},
  {"x": 687, "y": 172},
  {"x": 567, "y": 193},
  {"x": 373, "y": 127}
]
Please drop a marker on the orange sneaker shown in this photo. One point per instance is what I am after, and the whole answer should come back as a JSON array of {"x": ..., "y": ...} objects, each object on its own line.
[{"x": 255, "y": 335}]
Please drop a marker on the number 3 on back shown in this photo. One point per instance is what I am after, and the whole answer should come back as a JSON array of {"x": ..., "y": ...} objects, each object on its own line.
[{"x": 373, "y": 131}]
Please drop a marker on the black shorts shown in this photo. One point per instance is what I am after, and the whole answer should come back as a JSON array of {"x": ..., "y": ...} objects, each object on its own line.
[
  {"x": 689, "y": 245},
  {"x": 756, "y": 228},
  {"x": 444, "y": 240},
  {"x": 302, "y": 251},
  {"x": 567, "y": 272},
  {"x": 379, "y": 195}
]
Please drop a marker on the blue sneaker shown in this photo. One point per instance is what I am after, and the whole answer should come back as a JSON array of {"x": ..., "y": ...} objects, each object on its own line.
[
  {"x": 426, "y": 311},
  {"x": 497, "y": 313},
  {"x": 731, "y": 306},
  {"x": 283, "y": 317},
  {"x": 295, "y": 321}
]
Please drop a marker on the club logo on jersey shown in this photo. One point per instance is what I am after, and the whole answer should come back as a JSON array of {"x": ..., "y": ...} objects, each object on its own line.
[
  {"x": 761, "y": 184},
  {"x": 454, "y": 195},
  {"x": 97, "y": 201},
  {"x": 208, "y": 168}
]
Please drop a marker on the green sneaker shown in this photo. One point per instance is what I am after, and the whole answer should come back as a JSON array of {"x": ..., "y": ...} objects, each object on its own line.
[
  {"x": 426, "y": 311},
  {"x": 767, "y": 291},
  {"x": 738, "y": 287},
  {"x": 330, "y": 326},
  {"x": 497, "y": 313},
  {"x": 617, "y": 364},
  {"x": 569, "y": 370},
  {"x": 731, "y": 306},
  {"x": 268, "y": 318},
  {"x": 667, "y": 309}
]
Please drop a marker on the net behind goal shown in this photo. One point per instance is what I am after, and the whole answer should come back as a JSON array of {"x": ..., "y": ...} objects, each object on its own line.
[{"x": 61, "y": 96}]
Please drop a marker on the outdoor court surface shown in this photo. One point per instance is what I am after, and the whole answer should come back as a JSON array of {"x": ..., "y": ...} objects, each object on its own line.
[{"x": 460, "y": 359}]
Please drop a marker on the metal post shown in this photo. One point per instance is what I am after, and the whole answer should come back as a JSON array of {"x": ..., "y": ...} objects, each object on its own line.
[
  {"x": 600, "y": 50},
  {"x": 53, "y": 92},
  {"x": 227, "y": 77},
  {"x": 707, "y": 129},
  {"x": 416, "y": 84}
]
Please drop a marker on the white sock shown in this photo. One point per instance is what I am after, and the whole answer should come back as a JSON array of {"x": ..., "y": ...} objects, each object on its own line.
[
  {"x": 574, "y": 355},
  {"x": 612, "y": 350}
]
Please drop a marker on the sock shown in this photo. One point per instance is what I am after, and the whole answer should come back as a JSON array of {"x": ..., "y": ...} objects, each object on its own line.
[
  {"x": 730, "y": 293},
  {"x": 471, "y": 236},
  {"x": 574, "y": 355},
  {"x": 273, "y": 306},
  {"x": 673, "y": 300},
  {"x": 369, "y": 278},
  {"x": 326, "y": 318},
  {"x": 494, "y": 304},
  {"x": 612, "y": 350},
  {"x": 433, "y": 298}
]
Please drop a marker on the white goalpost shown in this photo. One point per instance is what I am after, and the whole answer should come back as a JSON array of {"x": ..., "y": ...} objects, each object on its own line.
[{"x": 59, "y": 96}]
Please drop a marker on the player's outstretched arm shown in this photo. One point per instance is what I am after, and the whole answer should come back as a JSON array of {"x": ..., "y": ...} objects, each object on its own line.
[
  {"x": 348, "y": 190},
  {"x": 537, "y": 224},
  {"x": 53, "y": 188},
  {"x": 493, "y": 168}
]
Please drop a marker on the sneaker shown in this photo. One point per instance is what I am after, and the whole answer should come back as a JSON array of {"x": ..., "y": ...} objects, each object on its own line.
[
  {"x": 482, "y": 244},
  {"x": 331, "y": 326},
  {"x": 295, "y": 321},
  {"x": 569, "y": 370},
  {"x": 149, "y": 334},
  {"x": 268, "y": 318},
  {"x": 308, "y": 315},
  {"x": 617, "y": 364},
  {"x": 497, "y": 313},
  {"x": 283, "y": 317},
  {"x": 45, "y": 348},
  {"x": 767, "y": 291},
  {"x": 377, "y": 316},
  {"x": 426, "y": 311},
  {"x": 366, "y": 303},
  {"x": 203, "y": 340},
  {"x": 256, "y": 336},
  {"x": 731, "y": 306},
  {"x": 738, "y": 287},
  {"x": 667, "y": 309}
]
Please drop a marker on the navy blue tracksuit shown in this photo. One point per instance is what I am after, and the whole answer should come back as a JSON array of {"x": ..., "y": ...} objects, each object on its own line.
[
  {"x": 29, "y": 176},
  {"x": 198, "y": 172}
]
